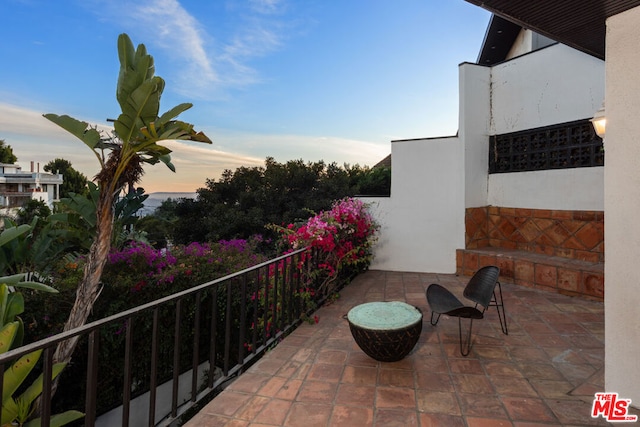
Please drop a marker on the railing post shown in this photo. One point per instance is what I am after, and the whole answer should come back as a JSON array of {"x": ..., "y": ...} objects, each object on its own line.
[
  {"x": 265, "y": 314},
  {"x": 298, "y": 283},
  {"x": 274, "y": 315},
  {"x": 292, "y": 289},
  {"x": 92, "y": 379},
  {"x": 227, "y": 331},
  {"x": 213, "y": 335},
  {"x": 153, "y": 381},
  {"x": 176, "y": 360},
  {"x": 47, "y": 382},
  {"x": 126, "y": 390},
  {"x": 256, "y": 289},
  {"x": 196, "y": 350},
  {"x": 243, "y": 319}
]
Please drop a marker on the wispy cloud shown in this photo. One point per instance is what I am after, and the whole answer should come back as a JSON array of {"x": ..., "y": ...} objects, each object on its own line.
[
  {"x": 266, "y": 6},
  {"x": 29, "y": 133},
  {"x": 174, "y": 29},
  {"x": 209, "y": 64},
  {"x": 195, "y": 163},
  {"x": 191, "y": 153},
  {"x": 283, "y": 147},
  {"x": 260, "y": 31},
  {"x": 25, "y": 121}
]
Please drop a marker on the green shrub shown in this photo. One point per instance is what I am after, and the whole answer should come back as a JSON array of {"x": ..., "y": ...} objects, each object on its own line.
[{"x": 133, "y": 276}]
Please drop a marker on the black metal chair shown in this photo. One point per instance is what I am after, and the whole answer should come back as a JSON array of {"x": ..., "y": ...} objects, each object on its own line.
[{"x": 481, "y": 289}]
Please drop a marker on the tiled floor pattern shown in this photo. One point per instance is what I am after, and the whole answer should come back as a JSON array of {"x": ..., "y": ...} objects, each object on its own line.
[{"x": 543, "y": 373}]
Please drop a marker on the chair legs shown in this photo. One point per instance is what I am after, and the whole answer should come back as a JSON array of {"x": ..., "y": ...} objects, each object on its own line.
[
  {"x": 466, "y": 348},
  {"x": 499, "y": 304},
  {"x": 453, "y": 307},
  {"x": 437, "y": 318}
]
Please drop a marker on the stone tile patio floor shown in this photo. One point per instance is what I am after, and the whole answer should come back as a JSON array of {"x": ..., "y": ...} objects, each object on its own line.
[{"x": 544, "y": 373}]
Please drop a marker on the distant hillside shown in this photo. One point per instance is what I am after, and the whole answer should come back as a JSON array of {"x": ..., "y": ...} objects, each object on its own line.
[{"x": 156, "y": 199}]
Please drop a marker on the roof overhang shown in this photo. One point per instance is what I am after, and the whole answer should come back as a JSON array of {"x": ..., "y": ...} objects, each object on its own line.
[
  {"x": 500, "y": 36},
  {"x": 576, "y": 23}
]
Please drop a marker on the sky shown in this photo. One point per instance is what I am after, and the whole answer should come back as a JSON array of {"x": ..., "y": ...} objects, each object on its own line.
[{"x": 332, "y": 80}]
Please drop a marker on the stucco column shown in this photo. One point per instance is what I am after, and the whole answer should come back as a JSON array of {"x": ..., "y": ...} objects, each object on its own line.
[
  {"x": 622, "y": 206},
  {"x": 474, "y": 120}
]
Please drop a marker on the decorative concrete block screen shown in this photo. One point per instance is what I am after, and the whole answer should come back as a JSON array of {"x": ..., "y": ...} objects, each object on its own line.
[
  {"x": 570, "y": 234},
  {"x": 567, "y": 145}
]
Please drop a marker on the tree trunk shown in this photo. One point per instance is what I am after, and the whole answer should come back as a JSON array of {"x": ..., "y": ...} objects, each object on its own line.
[{"x": 89, "y": 287}]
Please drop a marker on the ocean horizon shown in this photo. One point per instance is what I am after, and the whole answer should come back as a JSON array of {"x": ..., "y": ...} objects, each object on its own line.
[{"x": 155, "y": 200}]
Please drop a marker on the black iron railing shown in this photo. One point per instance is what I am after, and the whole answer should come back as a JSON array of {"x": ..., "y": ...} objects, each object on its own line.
[{"x": 228, "y": 323}]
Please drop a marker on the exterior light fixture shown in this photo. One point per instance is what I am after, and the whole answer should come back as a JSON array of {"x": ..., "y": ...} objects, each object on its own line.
[{"x": 599, "y": 122}]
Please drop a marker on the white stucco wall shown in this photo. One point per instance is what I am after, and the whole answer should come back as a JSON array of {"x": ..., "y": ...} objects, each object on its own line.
[
  {"x": 474, "y": 116},
  {"x": 434, "y": 180},
  {"x": 569, "y": 189},
  {"x": 622, "y": 205},
  {"x": 44, "y": 196},
  {"x": 422, "y": 223},
  {"x": 553, "y": 85}
]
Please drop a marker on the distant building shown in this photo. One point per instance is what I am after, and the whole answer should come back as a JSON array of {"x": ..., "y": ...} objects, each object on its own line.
[{"x": 18, "y": 187}]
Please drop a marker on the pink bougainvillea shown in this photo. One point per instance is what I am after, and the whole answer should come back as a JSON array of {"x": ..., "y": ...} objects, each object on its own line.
[{"x": 341, "y": 239}]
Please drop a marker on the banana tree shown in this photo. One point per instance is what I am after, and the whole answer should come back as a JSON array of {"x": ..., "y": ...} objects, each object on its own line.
[{"x": 122, "y": 154}]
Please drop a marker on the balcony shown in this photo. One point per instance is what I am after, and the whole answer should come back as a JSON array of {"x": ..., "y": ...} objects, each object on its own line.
[{"x": 545, "y": 372}]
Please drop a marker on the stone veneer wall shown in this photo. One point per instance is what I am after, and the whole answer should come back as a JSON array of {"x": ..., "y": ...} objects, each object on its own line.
[{"x": 569, "y": 234}]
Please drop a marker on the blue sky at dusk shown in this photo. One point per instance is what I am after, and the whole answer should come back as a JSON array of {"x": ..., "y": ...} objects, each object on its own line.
[{"x": 292, "y": 79}]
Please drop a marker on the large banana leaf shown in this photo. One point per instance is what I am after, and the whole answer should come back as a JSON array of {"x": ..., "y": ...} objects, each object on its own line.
[
  {"x": 8, "y": 234},
  {"x": 173, "y": 113},
  {"x": 81, "y": 130},
  {"x": 10, "y": 412},
  {"x": 14, "y": 307},
  {"x": 136, "y": 66},
  {"x": 20, "y": 409},
  {"x": 35, "y": 389},
  {"x": 17, "y": 373},
  {"x": 140, "y": 109},
  {"x": 17, "y": 280},
  {"x": 36, "y": 286},
  {"x": 80, "y": 205},
  {"x": 7, "y": 335}
]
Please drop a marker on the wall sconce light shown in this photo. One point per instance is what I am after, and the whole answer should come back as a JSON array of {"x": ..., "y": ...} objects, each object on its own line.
[{"x": 599, "y": 122}]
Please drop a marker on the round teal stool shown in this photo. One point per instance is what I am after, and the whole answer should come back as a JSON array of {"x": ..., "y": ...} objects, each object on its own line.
[{"x": 385, "y": 331}]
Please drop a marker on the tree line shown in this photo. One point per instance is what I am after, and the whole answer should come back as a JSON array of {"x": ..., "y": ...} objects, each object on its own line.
[{"x": 242, "y": 202}]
